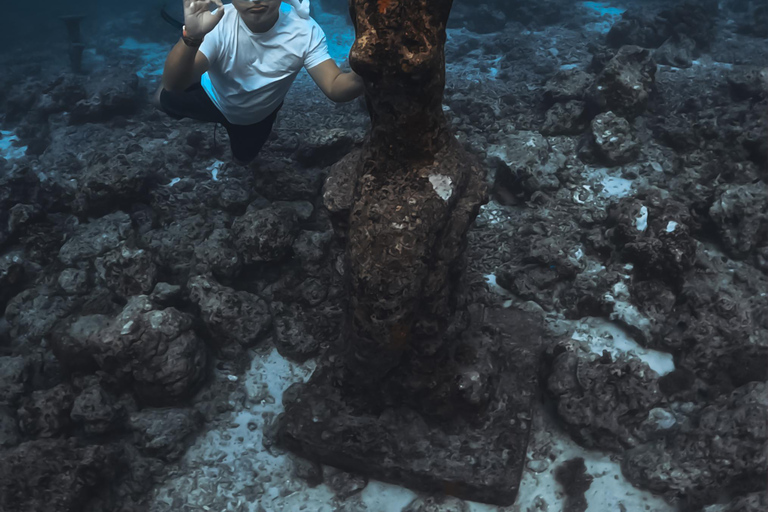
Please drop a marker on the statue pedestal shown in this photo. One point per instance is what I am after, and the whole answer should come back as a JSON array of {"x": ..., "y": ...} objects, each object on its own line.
[{"x": 459, "y": 428}]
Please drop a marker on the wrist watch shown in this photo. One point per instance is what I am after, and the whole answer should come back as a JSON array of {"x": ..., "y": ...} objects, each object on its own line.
[{"x": 190, "y": 41}]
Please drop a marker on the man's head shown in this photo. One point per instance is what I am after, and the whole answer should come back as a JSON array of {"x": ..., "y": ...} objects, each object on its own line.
[{"x": 262, "y": 13}]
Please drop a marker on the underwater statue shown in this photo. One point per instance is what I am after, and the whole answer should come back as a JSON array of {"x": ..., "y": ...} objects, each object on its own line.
[{"x": 427, "y": 389}]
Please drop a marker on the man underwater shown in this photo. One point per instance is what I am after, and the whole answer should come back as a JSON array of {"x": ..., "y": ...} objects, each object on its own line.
[{"x": 235, "y": 65}]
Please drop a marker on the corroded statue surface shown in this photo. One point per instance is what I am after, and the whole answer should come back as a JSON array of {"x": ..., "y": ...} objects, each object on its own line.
[
  {"x": 418, "y": 190},
  {"x": 424, "y": 389}
]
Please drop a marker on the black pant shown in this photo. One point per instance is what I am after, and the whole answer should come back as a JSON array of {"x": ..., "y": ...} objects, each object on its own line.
[{"x": 246, "y": 140}]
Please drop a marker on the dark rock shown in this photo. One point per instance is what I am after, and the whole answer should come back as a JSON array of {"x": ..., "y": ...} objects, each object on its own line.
[
  {"x": 47, "y": 413},
  {"x": 166, "y": 294},
  {"x": 175, "y": 243},
  {"x": 127, "y": 271},
  {"x": 615, "y": 144},
  {"x": 624, "y": 86},
  {"x": 5, "y": 332},
  {"x": 345, "y": 485},
  {"x": 144, "y": 218},
  {"x": 603, "y": 402},
  {"x": 232, "y": 317},
  {"x": 115, "y": 94},
  {"x": 71, "y": 342},
  {"x": 21, "y": 216},
  {"x": 21, "y": 100},
  {"x": 677, "y": 51},
  {"x": 46, "y": 370},
  {"x": 303, "y": 209},
  {"x": 740, "y": 213},
  {"x": 12, "y": 276},
  {"x": 155, "y": 350},
  {"x": 664, "y": 254},
  {"x": 695, "y": 20},
  {"x": 265, "y": 234},
  {"x": 109, "y": 183},
  {"x": 313, "y": 291},
  {"x": 677, "y": 381},
  {"x": 33, "y": 313},
  {"x": 217, "y": 254},
  {"x": 339, "y": 189},
  {"x": 310, "y": 472},
  {"x": 74, "y": 281},
  {"x": 9, "y": 430},
  {"x": 234, "y": 196},
  {"x": 753, "y": 502},
  {"x": 95, "y": 238},
  {"x": 164, "y": 433},
  {"x": 725, "y": 453},
  {"x": 748, "y": 83},
  {"x": 437, "y": 504},
  {"x": 54, "y": 475},
  {"x": 97, "y": 411},
  {"x": 277, "y": 181},
  {"x": 568, "y": 118},
  {"x": 572, "y": 475},
  {"x": 529, "y": 164},
  {"x": 42, "y": 242},
  {"x": 293, "y": 338},
  {"x": 324, "y": 146},
  {"x": 756, "y": 23},
  {"x": 715, "y": 334},
  {"x": 568, "y": 85},
  {"x": 311, "y": 247},
  {"x": 61, "y": 94}
]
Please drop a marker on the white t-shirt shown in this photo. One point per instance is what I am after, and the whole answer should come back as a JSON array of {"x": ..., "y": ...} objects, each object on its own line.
[{"x": 249, "y": 73}]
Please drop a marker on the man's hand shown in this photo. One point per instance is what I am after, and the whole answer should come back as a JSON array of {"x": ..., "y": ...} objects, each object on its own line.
[{"x": 198, "y": 18}]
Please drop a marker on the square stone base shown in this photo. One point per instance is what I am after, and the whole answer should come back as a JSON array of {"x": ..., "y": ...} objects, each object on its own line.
[{"x": 476, "y": 453}]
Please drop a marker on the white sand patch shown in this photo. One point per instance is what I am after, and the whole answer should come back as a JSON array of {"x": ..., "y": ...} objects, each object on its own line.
[
  {"x": 229, "y": 469},
  {"x": 539, "y": 491},
  {"x": 613, "y": 187},
  {"x": 599, "y": 334},
  {"x": 495, "y": 287},
  {"x": 8, "y": 149},
  {"x": 214, "y": 169},
  {"x": 713, "y": 63},
  {"x": 624, "y": 311},
  {"x": 641, "y": 221},
  {"x": 616, "y": 187}
]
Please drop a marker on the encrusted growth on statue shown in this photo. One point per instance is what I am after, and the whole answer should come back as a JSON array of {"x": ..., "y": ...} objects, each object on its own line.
[{"x": 421, "y": 390}]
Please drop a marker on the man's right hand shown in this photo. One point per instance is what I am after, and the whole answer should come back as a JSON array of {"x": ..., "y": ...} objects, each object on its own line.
[{"x": 198, "y": 18}]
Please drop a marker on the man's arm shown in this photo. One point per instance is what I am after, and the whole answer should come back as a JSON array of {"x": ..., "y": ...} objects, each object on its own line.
[
  {"x": 183, "y": 67},
  {"x": 185, "y": 64},
  {"x": 335, "y": 84}
]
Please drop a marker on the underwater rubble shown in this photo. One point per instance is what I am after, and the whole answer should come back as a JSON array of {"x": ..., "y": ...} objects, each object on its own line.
[{"x": 158, "y": 301}]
